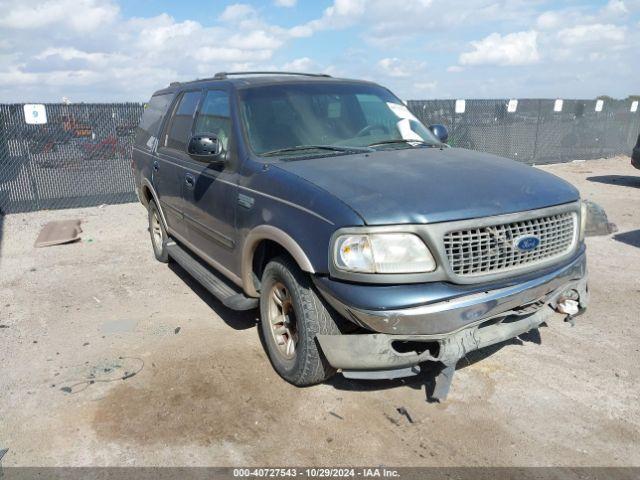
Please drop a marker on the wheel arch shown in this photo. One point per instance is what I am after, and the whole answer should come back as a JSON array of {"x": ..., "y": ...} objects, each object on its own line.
[
  {"x": 268, "y": 234},
  {"x": 148, "y": 194}
]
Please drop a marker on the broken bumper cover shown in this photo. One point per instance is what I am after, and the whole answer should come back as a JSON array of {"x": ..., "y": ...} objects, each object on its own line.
[{"x": 446, "y": 330}]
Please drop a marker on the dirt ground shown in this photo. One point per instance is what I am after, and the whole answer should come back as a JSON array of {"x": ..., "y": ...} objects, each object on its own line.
[{"x": 199, "y": 389}]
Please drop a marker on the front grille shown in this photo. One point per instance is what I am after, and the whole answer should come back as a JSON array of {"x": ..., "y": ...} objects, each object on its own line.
[{"x": 492, "y": 249}]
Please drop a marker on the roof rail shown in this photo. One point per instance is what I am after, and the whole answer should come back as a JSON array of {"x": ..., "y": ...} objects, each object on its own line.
[{"x": 221, "y": 75}]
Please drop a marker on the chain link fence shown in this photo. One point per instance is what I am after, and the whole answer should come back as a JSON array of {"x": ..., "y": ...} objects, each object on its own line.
[
  {"x": 537, "y": 131},
  {"x": 81, "y": 156}
]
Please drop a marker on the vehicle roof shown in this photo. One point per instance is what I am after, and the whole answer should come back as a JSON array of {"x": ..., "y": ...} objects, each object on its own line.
[{"x": 249, "y": 81}]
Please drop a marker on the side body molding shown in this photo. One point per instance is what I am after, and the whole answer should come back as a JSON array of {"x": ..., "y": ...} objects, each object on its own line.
[{"x": 268, "y": 232}]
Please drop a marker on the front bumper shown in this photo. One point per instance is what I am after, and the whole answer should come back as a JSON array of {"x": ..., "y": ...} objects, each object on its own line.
[{"x": 446, "y": 330}]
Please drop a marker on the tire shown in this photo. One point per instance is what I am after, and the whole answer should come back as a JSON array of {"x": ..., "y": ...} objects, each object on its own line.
[
  {"x": 158, "y": 233},
  {"x": 305, "y": 364}
]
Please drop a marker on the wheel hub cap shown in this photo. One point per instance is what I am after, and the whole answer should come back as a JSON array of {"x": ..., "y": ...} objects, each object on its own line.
[
  {"x": 156, "y": 231},
  {"x": 282, "y": 320}
]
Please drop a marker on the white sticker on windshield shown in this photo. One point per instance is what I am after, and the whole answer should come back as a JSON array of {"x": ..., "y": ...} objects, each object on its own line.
[
  {"x": 404, "y": 127},
  {"x": 634, "y": 106},
  {"x": 460, "y": 105},
  {"x": 401, "y": 111},
  {"x": 557, "y": 106},
  {"x": 599, "y": 105},
  {"x": 512, "y": 106}
]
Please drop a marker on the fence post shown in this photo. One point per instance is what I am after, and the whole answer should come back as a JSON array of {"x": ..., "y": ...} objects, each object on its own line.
[
  {"x": 453, "y": 122},
  {"x": 605, "y": 132},
  {"x": 535, "y": 141},
  {"x": 32, "y": 180},
  {"x": 28, "y": 163}
]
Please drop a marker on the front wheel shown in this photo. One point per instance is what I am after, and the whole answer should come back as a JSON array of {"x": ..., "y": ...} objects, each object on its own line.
[{"x": 292, "y": 315}]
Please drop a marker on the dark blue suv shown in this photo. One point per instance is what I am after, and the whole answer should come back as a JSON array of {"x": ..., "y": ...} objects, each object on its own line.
[{"x": 369, "y": 245}]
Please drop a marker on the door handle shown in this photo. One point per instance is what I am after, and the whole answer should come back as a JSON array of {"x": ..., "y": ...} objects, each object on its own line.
[
  {"x": 189, "y": 180},
  {"x": 156, "y": 166}
]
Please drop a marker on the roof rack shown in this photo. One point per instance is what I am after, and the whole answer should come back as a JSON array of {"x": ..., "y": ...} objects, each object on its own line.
[{"x": 221, "y": 75}]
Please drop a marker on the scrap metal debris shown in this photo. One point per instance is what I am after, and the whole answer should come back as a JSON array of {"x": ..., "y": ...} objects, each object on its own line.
[
  {"x": 403, "y": 411},
  {"x": 102, "y": 374},
  {"x": 59, "y": 233}
]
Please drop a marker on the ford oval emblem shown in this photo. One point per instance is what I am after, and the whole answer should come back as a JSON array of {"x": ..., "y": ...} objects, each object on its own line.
[{"x": 526, "y": 243}]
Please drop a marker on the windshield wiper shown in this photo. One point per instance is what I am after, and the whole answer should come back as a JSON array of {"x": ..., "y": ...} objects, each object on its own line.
[
  {"x": 302, "y": 148},
  {"x": 406, "y": 141}
]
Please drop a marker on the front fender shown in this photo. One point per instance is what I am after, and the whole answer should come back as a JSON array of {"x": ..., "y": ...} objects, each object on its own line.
[
  {"x": 297, "y": 215},
  {"x": 274, "y": 234}
]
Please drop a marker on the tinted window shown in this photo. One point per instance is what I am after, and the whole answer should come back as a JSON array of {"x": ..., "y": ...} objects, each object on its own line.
[
  {"x": 180, "y": 126},
  {"x": 151, "y": 119},
  {"x": 214, "y": 116}
]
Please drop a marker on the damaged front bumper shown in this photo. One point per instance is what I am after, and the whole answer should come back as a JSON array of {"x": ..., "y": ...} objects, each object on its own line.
[{"x": 445, "y": 330}]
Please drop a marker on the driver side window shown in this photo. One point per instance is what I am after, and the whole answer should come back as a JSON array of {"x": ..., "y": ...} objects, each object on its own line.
[{"x": 214, "y": 116}]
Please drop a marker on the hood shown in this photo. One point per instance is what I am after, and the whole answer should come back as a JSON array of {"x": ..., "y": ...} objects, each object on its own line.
[{"x": 427, "y": 185}]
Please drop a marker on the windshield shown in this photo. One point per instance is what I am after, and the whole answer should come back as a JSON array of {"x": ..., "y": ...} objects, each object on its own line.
[{"x": 293, "y": 119}]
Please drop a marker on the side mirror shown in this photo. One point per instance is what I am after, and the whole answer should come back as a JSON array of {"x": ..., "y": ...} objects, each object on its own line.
[
  {"x": 440, "y": 131},
  {"x": 205, "y": 146}
]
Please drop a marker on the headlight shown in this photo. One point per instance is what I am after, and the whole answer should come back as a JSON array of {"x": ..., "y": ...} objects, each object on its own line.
[
  {"x": 584, "y": 212},
  {"x": 383, "y": 253}
]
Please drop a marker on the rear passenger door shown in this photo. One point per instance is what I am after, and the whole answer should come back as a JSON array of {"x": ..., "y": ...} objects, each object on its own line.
[
  {"x": 210, "y": 195},
  {"x": 146, "y": 140},
  {"x": 173, "y": 160}
]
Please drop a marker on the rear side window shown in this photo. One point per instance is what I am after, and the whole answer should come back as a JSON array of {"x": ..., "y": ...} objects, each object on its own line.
[
  {"x": 181, "y": 121},
  {"x": 151, "y": 119}
]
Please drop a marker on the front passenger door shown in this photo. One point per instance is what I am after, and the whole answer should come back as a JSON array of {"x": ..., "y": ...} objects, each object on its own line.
[
  {"x": 169, "y": 169},
  {"x": 211, "y": 195}
]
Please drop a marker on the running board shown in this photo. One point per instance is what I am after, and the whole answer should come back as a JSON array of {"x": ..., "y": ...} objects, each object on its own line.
[{"x": 221, "y": 289}]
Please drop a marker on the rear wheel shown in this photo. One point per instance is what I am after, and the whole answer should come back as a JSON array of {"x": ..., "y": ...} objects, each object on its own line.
[
  {"x": 158, "y": 233},
  {"x": 292, "y": 315}
]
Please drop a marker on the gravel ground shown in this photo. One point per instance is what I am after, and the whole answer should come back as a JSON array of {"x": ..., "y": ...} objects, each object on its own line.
[{"x": 198, "y": 388}]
